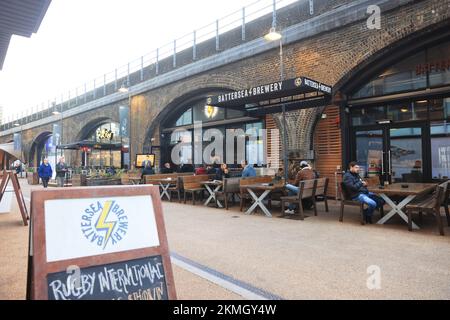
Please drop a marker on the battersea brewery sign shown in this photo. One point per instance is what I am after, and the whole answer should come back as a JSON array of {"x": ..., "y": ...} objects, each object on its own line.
[
  {"x": 99, "y": 243},
  {"x": 269, "y": 91}
]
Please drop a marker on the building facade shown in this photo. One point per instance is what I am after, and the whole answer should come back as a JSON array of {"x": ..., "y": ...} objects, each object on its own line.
[{"x": 389, "y": 102}]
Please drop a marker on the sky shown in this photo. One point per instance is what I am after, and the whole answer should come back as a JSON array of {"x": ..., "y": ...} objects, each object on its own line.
[{"x": 80, "y": 40}]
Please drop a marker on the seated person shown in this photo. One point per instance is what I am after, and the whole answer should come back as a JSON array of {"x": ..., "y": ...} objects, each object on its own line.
[
  {"x": 222, "y": 172},
  {"x": 357, "y": 190},
  {"x": 305, "y": 173},
  {"x": 248, "y": 170},
  {"x": 148, "y": 170},
  {"x": 200, "y": 170},
  {"x": 167, "y": 168},
  {"x": 210, "y": 169}
]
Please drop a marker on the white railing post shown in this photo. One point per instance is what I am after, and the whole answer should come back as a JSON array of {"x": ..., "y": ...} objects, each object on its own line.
[
  {"x": 243, "y": 24},
  {"x": 194, "y": 47},
  {"x": 142, "y": 68},
  {"x": 217, "y": 35},
  {"x": 175, "y": 53},
  {"x": 157, "y": 61}
]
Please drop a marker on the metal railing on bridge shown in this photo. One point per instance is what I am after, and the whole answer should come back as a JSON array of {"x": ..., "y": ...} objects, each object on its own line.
[{"x": 246, "y": 24}]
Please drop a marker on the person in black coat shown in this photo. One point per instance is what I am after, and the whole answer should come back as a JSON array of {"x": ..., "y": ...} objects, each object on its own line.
[
  {"x": 167, "y": 168},
  {"x": 356, "y": 188}
]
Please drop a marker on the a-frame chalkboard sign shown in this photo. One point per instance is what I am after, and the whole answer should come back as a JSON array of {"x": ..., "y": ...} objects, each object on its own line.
[
  {"x": 12, "y": 176},
  {"x": 99, "y": 244}
]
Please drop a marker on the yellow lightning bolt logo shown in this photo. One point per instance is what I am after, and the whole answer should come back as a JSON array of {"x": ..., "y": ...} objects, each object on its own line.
[{"x": 103, "y": 225}]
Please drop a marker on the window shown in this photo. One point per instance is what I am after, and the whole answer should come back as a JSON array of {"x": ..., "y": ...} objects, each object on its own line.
[
  {"x": 255, "y": 144},
  {"x": 407, "y": 111},
  {"x": 438, "y": 65},
  {"x": 430, "y": 66},
  {"x": 205, "y": 113},
  {"x": 367, "y": 115},
  {"x": 440, "y": 150},
  {"x": 400, "y": 77},
  {"x": 185, "y": 119},
  {"x": 106, "y": 133}
]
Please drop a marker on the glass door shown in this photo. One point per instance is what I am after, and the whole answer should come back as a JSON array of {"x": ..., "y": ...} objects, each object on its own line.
[
  {"x": 391, "y": 153},
  {"x": 406, "y": 162}
]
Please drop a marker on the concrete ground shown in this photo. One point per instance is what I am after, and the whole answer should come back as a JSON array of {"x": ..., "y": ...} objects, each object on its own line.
[{"x": 318, "y": 258}]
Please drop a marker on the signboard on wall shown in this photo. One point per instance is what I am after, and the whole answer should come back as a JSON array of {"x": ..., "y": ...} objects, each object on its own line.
[{"x": 93, "y": 244}]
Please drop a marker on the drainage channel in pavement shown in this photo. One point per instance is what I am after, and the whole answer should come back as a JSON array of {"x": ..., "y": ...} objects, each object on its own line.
[{"x": 245, "y": 290}]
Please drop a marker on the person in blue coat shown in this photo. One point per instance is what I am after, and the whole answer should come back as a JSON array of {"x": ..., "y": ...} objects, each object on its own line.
[
  {"x": 45, "y": 172},
  {"x": 248, "y": 170}
]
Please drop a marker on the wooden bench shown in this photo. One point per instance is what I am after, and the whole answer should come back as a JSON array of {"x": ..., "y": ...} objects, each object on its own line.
[
  {"x": 243, "y": 193},
  {"x": 193, "y": 185},
  {"x": 307, "y": 190},
  {"x": 431, "y": 204}
]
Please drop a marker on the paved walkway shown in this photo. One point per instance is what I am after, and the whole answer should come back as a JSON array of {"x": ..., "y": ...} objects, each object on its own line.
[{"x": 220, "y": 254}]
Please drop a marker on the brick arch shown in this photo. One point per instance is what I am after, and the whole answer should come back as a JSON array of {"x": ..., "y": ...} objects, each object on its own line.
[
  {"x": 197, "y": 88},
  {"x": 387, "y": 53},
  {"x": 91, "y": 125},
  {"x": 34, "y": 145}
]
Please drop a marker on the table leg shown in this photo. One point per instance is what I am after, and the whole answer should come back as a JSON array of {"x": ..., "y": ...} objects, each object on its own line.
[
  {"x": 397, "y": 209},
  {"x": 258, "y": 203},
  {"x": 164, "y": 191},
  {"x": 212, "y": 195}
]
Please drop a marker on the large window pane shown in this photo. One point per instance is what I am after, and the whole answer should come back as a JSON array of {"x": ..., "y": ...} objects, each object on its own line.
[
  {"x": 255, "y": 146},
  {"x": 408, "y": 111},
  {"x": 440, "y": 150},
  {"x": 206, "y": 113},
  {"x": 438, "y": 65},
  {"x": 369, "y": 152},
  {"x": 406, "y": 155},
  {"x": 185, "y": 119},
  {"x": 402, "y": 76},
  {"x": 367, "y": 115}
]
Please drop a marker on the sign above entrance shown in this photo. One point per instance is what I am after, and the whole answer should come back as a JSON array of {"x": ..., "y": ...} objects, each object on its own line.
[{"x": 269, "y": 91}]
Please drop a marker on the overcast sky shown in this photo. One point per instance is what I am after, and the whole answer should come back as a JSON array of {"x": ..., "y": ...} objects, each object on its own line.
[{"x": 80, "y": 40}]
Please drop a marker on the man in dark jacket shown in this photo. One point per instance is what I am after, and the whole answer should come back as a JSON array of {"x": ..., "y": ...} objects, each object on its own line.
[
  {"x": 357, "y": 190},
  {"x": 61, "y": 169}
]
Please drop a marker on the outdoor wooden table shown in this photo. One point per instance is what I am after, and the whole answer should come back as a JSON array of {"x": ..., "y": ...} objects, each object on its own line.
[
  {"x": 217, "y": 185},
  {"x": 165, "y": 184},
  {"x": 266, "y": 190},
  {"x": 395, "y": 189}
]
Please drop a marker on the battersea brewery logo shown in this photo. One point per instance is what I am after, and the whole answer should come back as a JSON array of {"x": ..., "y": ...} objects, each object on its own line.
[{"x": 104, "y": 223}]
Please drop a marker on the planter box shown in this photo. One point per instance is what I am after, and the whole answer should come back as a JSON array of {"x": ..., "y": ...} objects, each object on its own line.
[
  {"x": 33, "y": 178},
  {"x": 78, "y": 180},
  {"x": 103, "y": 182}
]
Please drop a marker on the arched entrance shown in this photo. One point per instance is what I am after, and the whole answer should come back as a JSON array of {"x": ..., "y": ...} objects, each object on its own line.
[
  {"x": 396, "y": 111},
  {"x": 99, "y": 144},
  {"x": 42, "y": 147},
  {"x": 176, "y": 124}
]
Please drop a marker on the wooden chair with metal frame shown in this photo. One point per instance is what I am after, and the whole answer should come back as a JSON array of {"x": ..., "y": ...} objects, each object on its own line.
[
  {"x": 347, "y": 201},
  {"x": 230, "y": 187},
  {"x": 307, "y": 190},
  {"x": 431, "y": 204},
  {"x": 193, "y": 185},
  {"x": 321, "y": 191}
]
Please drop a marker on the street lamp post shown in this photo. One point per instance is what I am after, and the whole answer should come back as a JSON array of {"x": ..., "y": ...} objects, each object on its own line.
[
  {"x": 274, "y": 35},
  {"x": 125, "y": 89}
]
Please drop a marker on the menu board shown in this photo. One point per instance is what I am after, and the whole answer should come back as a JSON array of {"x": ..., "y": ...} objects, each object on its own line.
[{"x": 99, "y": 243}]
